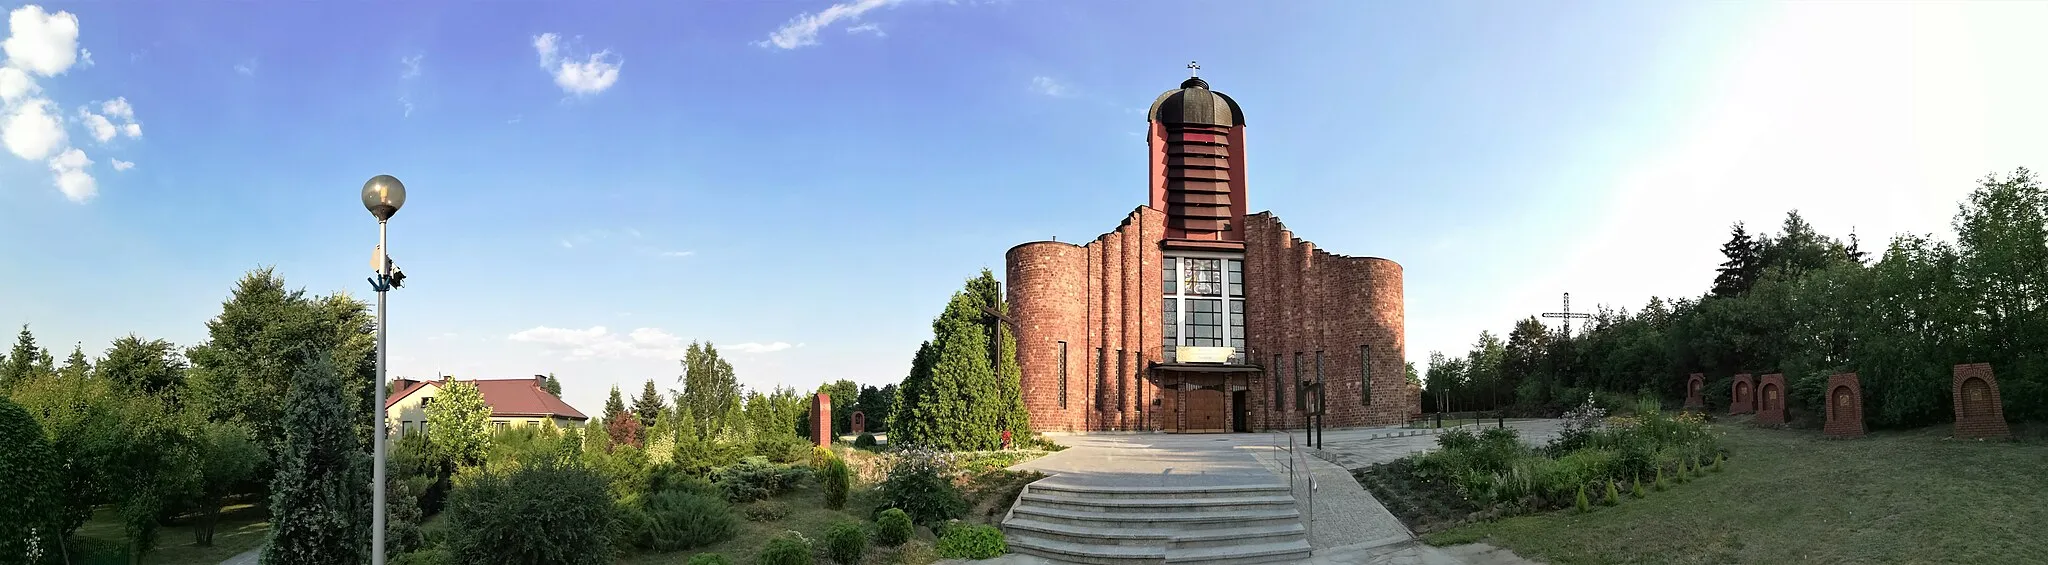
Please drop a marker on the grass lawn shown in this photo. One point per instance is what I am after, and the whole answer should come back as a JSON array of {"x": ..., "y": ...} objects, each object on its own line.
[
  {"x": 1790, "y": 496},
  {"x": 242, "y": 527}
]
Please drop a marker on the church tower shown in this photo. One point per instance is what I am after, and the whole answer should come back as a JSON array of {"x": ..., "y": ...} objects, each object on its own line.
[{"x": 1197, "y": 166}]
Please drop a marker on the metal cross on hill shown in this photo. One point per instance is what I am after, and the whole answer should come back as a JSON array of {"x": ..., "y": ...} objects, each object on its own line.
[
  {"x": 1194, "y": 69},
  {"x": 1568, "y": 315}
]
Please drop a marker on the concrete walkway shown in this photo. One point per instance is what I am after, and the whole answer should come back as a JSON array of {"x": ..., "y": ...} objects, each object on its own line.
[
  {"x": 249, "y": 557},
  {"x": 1349, "y": 526}
]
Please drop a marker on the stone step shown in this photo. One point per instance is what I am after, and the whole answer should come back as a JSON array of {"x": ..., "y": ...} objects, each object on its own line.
[
  {"x": 1227, "y": 537},
  {"x": 1065, "y": 501},
  {"x": 1165, "y": 519},
  {"x": 1160, "y": 537},
  {"x": 1270, "y": 552},
  {"x": 1173, "y": 493},
  {"x": 1068, "y": 552}
]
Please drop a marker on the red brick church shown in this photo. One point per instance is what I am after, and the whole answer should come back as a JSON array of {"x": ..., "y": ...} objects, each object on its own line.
[{"x": 1196, "y": 315}]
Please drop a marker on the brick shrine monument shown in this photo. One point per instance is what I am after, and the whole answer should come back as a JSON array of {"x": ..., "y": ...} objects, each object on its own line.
[
  {"x": 1693, "y": 386},
  {"x": 1742, "y": 397},
  {"x": 1979, "y": 413},
  {"x": 860, "y": 422},
  {"x": 1844, "y": 406},
  {"x": 821, "y": 420},
  {"x": 1770, "y": 408}
]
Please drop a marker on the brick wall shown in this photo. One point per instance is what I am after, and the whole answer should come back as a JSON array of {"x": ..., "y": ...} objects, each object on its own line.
[
  {"x": 1845, "y": 406},
  {"x": 1742, "y": 395},
  {"x": 1694, "y": 384},
  {"x": 1102, "y": 299},
  {"x": 1979, "y": 410},
  {"x": 1770, "y": 399},
  {"x": 821, "y": 420},
  {"x": 1300, "y": 299}
]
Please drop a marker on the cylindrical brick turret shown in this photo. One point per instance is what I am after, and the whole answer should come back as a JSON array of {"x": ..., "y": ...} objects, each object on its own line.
[{"x": 1048, "y": 300}]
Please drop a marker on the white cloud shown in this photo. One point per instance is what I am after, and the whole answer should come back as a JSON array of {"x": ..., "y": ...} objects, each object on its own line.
[
  {"x": 41, "y": 42},
  {"x": 1048, "y": 86},
  {"x": 412, "y": 66},
  {"x": 751, "y": 347},
  {"x": 678, "y": 253},
  {"x": 72, "y": 178},
  {"x": 585, "y": 77},
  {"x": 102, "y": 128},
  {"x": 102, "y": 125},
  {"x": 85, "y": 57},
  {"x": 598, "y": 342},
  {"x": 16, "y": 84},
  {"x": 32, "y": 131},
  {"x": 246, "y": 68},
  {"x": 118, "y": 108},
  {"x": 868, "y": 28},
  {"x": 803, "y": 29},
  {"x": 120, "y": 165}
]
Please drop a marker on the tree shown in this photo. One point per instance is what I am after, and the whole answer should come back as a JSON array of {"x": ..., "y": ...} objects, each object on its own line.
[
  {"x": 710, "y": 390},
  {"x": 152, "y": 367},
  {"x": 1743, "y": 266},
  {"x": 263, "y": 336},
  {"x": 319, "y": 500},
  {"x": 623, "y": 428},
  {"x": 76, "y": 366},
  {"x": 29, "y": 469},
  {"x": 459, "y": 423},
  {"x": 961, "y": 402},
  {"x": 649, "y": 405},
  {"x": 22, "y": 362},
  {"x": 552, "y": 385},
  {"x": 229, "y": 457},
  {"x": 615, "y": 404}
]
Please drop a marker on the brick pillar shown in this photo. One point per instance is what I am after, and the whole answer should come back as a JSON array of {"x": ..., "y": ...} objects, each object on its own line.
[
  {"x": 1770, "y": 397},
  {"x": 821, "y": 420},
  {"x": 1742, "y": 395},
  {"x": 1845, "y": 406},
  {"x": 1694, "y": 387},
  {"x": 1979, "y": 410}
]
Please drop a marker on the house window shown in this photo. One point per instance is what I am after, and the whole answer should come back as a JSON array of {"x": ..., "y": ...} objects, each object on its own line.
[
  {"x": 499, "y": 426},
  {"x": 407, "y": 427},
  {"x": 425, "y": 401},
  {"x": 1203, "y": 304},
  {"x": 1365, "y": 374},
  {"x": 1063, "y": 375},
  {"x": 1279, "y": 384},
  {"x": 423, "y": 427}
]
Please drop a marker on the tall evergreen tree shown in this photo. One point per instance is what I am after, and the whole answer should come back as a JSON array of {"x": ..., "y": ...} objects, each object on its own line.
[
  {"x": 153, "y": 367},
  {"x": 962, "y": 401},
  {"x": 319, "y": 500},
  {"x": 76, "y": 366},
  {"x": 614, "y": 405},
  {"x": 710, "y": 391},
  {"x": 1744, "y": 264},
  {"x": 552, "y": 385},
  {"x": 649, "y": 405},
  {"x": 21, "y": 363}
]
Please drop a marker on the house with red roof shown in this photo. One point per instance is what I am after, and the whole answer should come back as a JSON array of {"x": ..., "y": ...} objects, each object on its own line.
[{"x": 513, "y": 402}]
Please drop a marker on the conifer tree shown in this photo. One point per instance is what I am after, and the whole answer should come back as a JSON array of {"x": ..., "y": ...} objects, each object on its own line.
[
  {"x": 962, "y": 401},
  {"x": 21, "y": 363},
  {"x": 552, "y": 385},
  {"x": 614, "y": 405},
  {"x": 649, "y": 405},
  {"x": 319, "y": 500},
  {"x": 1743, "y": 267}
]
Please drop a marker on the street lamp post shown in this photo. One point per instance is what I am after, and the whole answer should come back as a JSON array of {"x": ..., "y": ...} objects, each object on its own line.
[{"x": 383, "y": 195}]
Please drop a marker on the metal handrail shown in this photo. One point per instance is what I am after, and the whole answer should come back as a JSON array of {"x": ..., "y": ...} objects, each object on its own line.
[{"x": 1296, "y": 463}]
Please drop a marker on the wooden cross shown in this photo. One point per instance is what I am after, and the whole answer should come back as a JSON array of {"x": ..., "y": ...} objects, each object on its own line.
[
  {"x": 1568, "y": 315},
  {"x": 1194, "y": 69}
]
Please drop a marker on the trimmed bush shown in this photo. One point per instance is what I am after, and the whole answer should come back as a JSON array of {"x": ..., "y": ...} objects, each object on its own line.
[
  {"x": 1717, "y": 463},
  {"x": 1637, "y": 490},
  {"x": 893, "y": 527},
  {"x": 783, "y": 448},
  {"x": 838, "y": 480},
  {"x": 1661, "y": 485},
  {"x": 435, "y": 556},
  {"x": 765, "y": 511},
  {"x": 1583, "y": 504},
  {"x": 709, "y": 559},
  {"x": 846, "y": 542},
  {"x": 787, "y": 549},
  {"x": 543, "y": 514},
  {"x": 1684, "y": 474},
  {"x": 972, "y": 541},
  {"x": 820, "y": 456},
  {"x": 754, "y": 478},
  {"x": 679, "y": 520},
  {"x": 865, "y": 441},
  {"x": 1613, "y": 497}
]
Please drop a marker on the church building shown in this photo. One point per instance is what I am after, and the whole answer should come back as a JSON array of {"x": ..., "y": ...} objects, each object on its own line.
[{"x": 1196, "y": 315}]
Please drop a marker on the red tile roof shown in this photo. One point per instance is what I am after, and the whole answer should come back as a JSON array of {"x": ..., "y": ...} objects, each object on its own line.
[{"x": 507, "y": 397}]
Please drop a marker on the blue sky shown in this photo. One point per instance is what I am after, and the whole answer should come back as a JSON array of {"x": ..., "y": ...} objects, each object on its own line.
[{"x": 804, "y": 183}]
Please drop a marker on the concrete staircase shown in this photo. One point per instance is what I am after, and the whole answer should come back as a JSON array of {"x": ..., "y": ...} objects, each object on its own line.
[{"x": 1116, "y": 525}]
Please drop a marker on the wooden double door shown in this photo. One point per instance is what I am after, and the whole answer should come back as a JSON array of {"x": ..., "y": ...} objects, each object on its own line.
[{"x": 1201, "y": 403}]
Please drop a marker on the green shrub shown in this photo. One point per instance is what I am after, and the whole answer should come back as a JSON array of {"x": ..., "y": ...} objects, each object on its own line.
[
  {"x": 1613, "y": 497},
  {"x": 663, "y": 478},
  {"x": 27, "y": 466},
  {"x": 547, "y": 513},
  {"x": 787, "y": 549},
  {"x": 893, "y": 527},
  {"x": 972, "y": 541},
  {"x": 1583, "y": 505},
  {"x": 1717, "y": 463},
  {"x": 434, "y": 556},
  {"x": 755, "y": 478},
  {"x": 819, "y": 457},
  {"x": 1684, "y": 474},
  {"x": 1457, "y": 439},
  {"x": 783, "y": 448},
  {"x": 1660, "y": 485},
  {"x": 838, "y": 480},
  {"x": 864, "y": 441},
  {"x": 678, "y": 520},
  {"x": 1637, "y": 490},
  {"x": 920, "y": 484},
  {"x": 846, "y": 542},
  {"x": 765, "y": 511},
  {"x": 708, "y": 559}
]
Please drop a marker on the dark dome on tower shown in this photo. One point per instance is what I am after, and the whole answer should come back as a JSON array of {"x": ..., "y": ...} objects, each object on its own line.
[{"x": 1194, "y": 104}]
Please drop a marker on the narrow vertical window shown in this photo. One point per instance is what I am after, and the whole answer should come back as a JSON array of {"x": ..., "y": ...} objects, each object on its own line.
[
  {"x": 1319, "y": 381},
  {"x": 1122, "y": 384},
  {"x": 1101, "y": 377},
  {"x": 1170, "y": 326},
  {"x": 1365, "y": 374},
  {"x": 1279, "y": 384},
  {"x": 1297, "y": 377},
  {"x": 1063, "y": 375}
]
